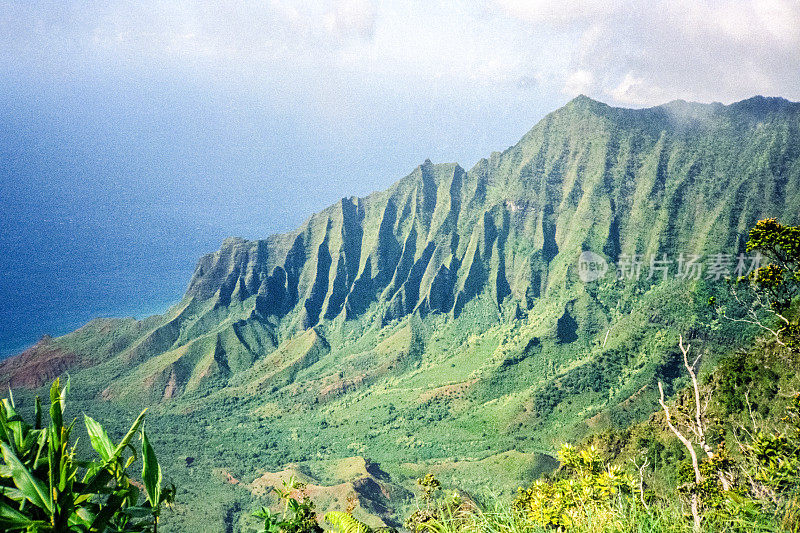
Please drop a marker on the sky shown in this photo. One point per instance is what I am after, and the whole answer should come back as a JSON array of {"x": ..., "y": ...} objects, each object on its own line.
[{"x": 135, "y": 136}]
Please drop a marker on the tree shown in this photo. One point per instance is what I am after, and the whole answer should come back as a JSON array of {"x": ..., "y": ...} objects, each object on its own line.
[
  {"x": 771, "y": 289},
  {"x": 695, "y": 425}
]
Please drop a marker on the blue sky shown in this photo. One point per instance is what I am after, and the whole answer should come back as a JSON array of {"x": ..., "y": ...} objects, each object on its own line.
[{"x": 136, "y": 135}]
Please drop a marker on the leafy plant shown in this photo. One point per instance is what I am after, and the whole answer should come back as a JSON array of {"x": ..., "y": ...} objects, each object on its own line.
[
  {"x": 588, "y": 487},
  {"x": 772, "y": 288},
  {"x": 44, "y": 486},
  {"x": 438, "y": 513},
  {"x": 345, "y": 523},
  {"x": 298, "y": 515}
]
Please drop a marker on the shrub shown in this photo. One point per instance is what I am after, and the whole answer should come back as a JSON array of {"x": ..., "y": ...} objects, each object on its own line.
[
  {"x": 588, "y": 487},
  {"x": 45, "y": 487},
  {"x": 298, "y": 515},
  {"x": 437, "y": 513}
]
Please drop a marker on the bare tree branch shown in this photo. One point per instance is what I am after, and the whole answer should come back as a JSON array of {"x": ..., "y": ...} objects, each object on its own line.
[
  {"x": 640, "y": 469},
  {"x": 695, "y": 504}
]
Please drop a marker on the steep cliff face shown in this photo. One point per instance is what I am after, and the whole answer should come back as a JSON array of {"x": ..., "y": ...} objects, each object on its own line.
[
  {"x": 500, "y": 238},
  {"x": 677, "y": 178}
]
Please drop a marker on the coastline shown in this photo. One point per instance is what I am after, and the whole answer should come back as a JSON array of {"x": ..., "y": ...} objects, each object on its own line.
[{"x": 14, "y": 346}]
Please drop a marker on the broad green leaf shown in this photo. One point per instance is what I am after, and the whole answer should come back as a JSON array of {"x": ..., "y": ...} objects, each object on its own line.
[
  {"x": 34, "y": 490},
  {"x": 40, "y": 442},
  {"x": 97, "y": 481},
  {"x": 10, "y": 517},
  {"x": 12, "y": 493},
  {"x": 56, "y": 411},
  {"x": 83, "y": 516},
  {"x": 63, "y": 395},
  {"x": 17, "y": 427},
  {"x": 51, "y": 459},
  {"x": 5, "y": 431},
  {"x": 129, "y": 435},
  {"x": 151, "y": 472},
  {"x": 92, "y": 468},
  {"x": 65, "y": 504},
  {"x": 32, "y": 438},
  {"x": 99, "y": 438},
  {"x": 38, "y": 413},
  {"x": 80, "y": 520},
  {"x": 112, "y": 505}
]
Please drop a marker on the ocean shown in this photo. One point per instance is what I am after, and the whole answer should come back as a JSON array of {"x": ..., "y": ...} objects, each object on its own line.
[{"x": 57, "y": 275}]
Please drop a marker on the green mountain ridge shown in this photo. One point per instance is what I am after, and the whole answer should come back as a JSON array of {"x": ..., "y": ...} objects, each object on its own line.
[{"x": 453, "y": 297}]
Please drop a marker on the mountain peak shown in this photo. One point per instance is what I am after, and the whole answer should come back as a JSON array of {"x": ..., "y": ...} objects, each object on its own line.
[
  {"x": 583, "y": 102},
  {"x": 758, "y": 106},
  {"x": 583, "y": 98},
  {"x": 231, "y": 241}
]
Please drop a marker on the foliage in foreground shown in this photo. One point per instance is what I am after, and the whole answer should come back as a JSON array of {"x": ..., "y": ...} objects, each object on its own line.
[
  {"x": 589, "y": 495},
  {"x": 298, "y": 514},
  {"x": 45, "y": 487}
]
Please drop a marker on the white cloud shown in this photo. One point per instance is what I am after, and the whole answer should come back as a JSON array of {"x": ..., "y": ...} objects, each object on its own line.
[
  {"x": 579, "y": 82},
  {"x": 647, "y": 53},
  {"x": 191, "y": 29},
  {"x": 637, "y": 91},
  {"x": 633, "y": 53},
  {"x": 753, "y": 22},
  {"x": 559, "y": 12},
  {"x": 348, "y": 18}
]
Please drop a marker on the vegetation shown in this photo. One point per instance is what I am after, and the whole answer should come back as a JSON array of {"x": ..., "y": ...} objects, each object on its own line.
[
  {"x": 298, "y": 515},
  {"x": 771, "y": 290},
  {"x": 44, "y": 486},
  {"x": 441, "y": 326},
  {"x": 755, "y": 487},
  {"x": 343, "y": 522}
]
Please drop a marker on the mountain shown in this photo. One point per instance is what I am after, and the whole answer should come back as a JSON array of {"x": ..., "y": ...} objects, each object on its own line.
[{"x": 444, "y": 320}]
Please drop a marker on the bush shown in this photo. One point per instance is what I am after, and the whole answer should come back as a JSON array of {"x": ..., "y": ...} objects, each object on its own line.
[
  {"x": 45, "y": 487},
  {"x": 298, "y": 515},
  {"x": 588, "y": 487}
]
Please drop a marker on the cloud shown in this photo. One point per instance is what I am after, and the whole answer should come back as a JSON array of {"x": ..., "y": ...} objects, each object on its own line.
[
  {"x": 351, "y": 18},
  {"x": 559, "y": 13},
  {"x": 579, "y": 82},
  {"x": 624, "y": 52},
  {"x": 772, "y": 23},
  {"x": 646, "y": 53},
  {"x": 187, "y": 30},
  {"x": 637, "y": 91}
]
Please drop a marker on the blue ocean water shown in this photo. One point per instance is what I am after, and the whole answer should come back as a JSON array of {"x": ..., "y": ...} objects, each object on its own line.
[
  {"x": 57, "y": 275},
  {"x": 107, "y": 201}
]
